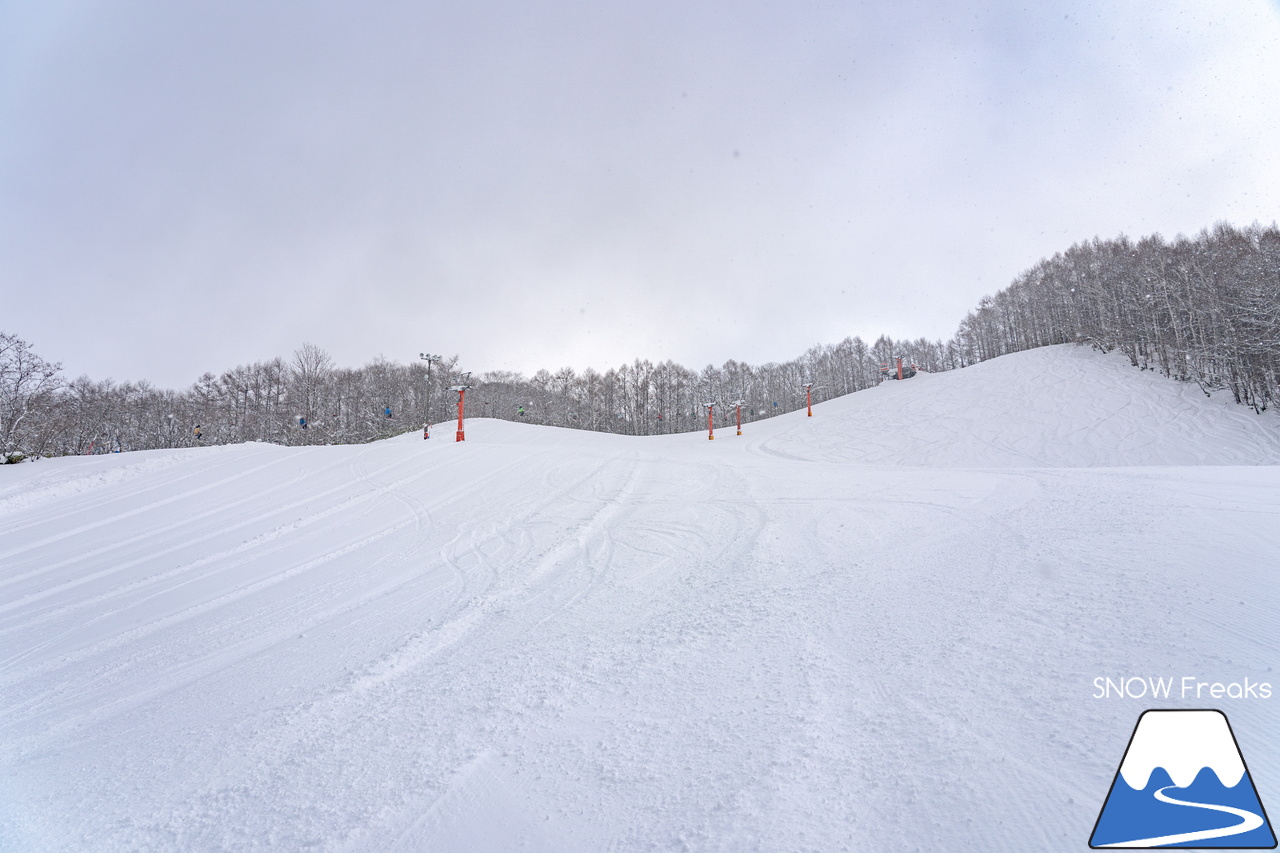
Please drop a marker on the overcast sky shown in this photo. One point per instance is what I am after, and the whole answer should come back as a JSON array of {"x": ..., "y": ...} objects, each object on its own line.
[{"x": 187, "y": 187}]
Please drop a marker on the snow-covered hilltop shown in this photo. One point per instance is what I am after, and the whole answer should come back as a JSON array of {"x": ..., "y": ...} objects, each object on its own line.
[
  {"x": 1059, "y": 406},
  {"x": 874, "y": 629}
]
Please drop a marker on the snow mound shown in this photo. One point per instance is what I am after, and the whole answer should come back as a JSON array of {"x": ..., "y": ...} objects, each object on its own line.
[{"x": 1054, "y": 407}]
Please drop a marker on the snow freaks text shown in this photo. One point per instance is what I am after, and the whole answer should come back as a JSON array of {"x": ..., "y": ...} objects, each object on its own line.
[{"x": 1185, "y": 687}]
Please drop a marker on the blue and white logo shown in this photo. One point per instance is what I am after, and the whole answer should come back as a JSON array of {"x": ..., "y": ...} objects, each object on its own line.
[{"x": 1183, "y": 783}]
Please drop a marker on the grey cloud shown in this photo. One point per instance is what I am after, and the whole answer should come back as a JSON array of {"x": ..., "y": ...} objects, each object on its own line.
[{"x": 185, "y": 189}]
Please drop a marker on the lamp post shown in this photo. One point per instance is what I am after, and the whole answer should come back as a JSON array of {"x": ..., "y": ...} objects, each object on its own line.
[
  {"x": 462, "y": 397},
  {"x": 711, "y": 428},
  {"x": 737, "y": 405},
  {"x": 808, "y": 397}
]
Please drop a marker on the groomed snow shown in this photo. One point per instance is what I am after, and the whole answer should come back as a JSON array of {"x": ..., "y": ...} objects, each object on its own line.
[{"x": 875, "y": 629}]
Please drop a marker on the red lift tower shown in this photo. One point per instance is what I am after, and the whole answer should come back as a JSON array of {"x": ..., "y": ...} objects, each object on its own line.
[
  {"x": 462, "y": 399},
  {"x": 737, "y": 405},
  {"x": 808, "y": 397}
]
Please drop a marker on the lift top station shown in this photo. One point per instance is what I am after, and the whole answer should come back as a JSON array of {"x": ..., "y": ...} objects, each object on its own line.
[{"x": 897, "y": 370}]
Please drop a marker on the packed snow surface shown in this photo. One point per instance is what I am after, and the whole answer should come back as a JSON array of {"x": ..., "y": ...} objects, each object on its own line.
[{"x": 875, "y": 629}]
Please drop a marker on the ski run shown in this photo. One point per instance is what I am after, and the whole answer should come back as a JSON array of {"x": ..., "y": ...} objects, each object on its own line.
[{"x": 875, "y": 629}]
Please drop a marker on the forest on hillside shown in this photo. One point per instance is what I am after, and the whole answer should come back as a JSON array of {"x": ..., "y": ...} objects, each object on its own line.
[{"x": 1202, "y": 309}]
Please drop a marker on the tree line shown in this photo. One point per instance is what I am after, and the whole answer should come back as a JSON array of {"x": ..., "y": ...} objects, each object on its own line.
[
  {"x": 305, "y": 400},
  {"x": 1203, "y": 309},
  {"x": 308, "y": 400},
  {"x": 647, "y": 398}
]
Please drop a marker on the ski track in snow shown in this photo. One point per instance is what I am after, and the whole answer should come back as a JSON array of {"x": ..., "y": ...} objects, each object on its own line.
[{"x": 873, "y": 629}]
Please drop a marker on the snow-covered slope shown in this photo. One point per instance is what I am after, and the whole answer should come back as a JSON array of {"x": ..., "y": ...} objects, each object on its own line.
[
  {"x": 546, "y": 639},
  {"x": 1062, "y": 406}
]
